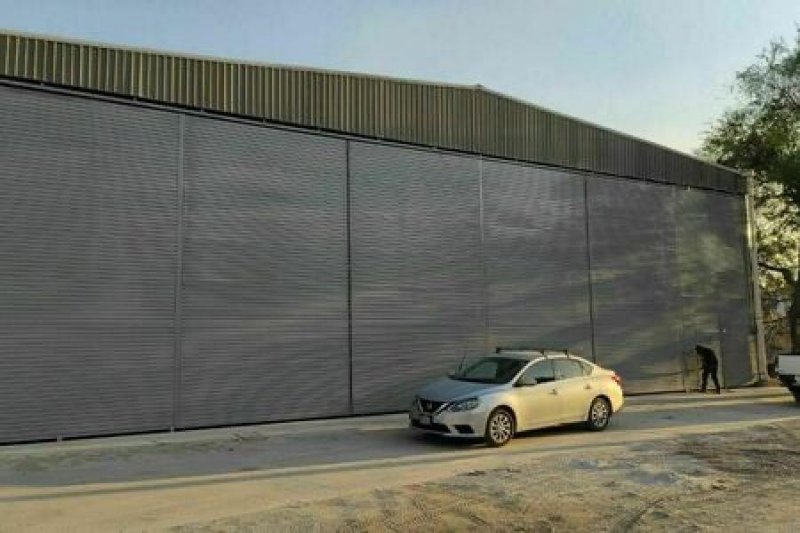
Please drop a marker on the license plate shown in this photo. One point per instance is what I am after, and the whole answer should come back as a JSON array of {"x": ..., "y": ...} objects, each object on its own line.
[{"x": 425, "y": 420}]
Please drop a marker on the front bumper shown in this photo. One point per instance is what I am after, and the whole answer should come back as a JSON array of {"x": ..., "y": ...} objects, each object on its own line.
[{"x": 462, "y": 424}]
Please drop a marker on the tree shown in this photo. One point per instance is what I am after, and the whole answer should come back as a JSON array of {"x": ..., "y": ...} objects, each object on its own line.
[{"x": 761, "y": 136}]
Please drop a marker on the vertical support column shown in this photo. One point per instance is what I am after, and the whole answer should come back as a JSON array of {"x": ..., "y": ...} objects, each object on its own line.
[
  {"x": 589, "y": 263},
  {"x": 176, "y": 378},
  {"x": 758, "y": 317},
  {"x": 349, "y": 277}
]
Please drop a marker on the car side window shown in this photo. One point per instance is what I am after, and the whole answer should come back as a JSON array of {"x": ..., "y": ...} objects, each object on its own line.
[
  {"x": 587, "y": 368},
  {"x": 567, "y": 368},
  {"x": 539, "y": 372}
]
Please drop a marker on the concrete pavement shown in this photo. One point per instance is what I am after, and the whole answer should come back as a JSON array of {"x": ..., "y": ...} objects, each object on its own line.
[{"x": 160, "y": 480}]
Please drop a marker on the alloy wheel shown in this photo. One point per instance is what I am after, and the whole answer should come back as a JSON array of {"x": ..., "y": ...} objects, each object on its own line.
[
  {"x": 501, "y": 427},
  {"x": 599, "y": 413}
]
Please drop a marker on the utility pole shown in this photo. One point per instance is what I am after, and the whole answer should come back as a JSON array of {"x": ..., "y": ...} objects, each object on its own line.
[{"x": 758, "y": 315}]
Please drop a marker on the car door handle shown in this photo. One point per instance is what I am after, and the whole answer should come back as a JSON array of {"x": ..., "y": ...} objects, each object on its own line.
[
  {"x": 554, "y": 392},
  {"x": 588, "y": 387}
]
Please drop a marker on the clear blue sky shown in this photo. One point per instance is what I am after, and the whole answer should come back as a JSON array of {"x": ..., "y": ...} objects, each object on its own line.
[{"x": 658, "y": 69}]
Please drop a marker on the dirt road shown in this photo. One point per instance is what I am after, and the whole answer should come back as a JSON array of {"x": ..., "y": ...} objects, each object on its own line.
[{"x": 685, "y": 462}]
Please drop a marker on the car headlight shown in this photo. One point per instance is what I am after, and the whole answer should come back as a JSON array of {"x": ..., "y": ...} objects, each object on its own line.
[{"x": 464, "y": 405}]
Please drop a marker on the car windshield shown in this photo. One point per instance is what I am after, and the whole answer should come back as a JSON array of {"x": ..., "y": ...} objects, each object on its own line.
[{"x": 491, "y": 370}]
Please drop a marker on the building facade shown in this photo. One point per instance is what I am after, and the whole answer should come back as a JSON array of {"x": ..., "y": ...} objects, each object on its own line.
[{"x": 190, "y": 242}]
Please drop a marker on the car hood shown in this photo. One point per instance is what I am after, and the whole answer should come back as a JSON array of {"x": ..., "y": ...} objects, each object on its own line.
[{"x": 447, "y": 389}]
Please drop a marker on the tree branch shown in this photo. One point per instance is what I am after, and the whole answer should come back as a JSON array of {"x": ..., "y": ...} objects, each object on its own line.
[{"x": 783, "y": 271}]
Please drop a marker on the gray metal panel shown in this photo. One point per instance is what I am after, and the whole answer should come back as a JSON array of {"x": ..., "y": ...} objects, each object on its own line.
[
  {"x": 87, "y": 248},
  {"x": 417, "y": 274},
  {"x": 575, "y": 338},
  {"x": 714, "y": 287},
  {"x": 265, "y": 275},
  {"x": 465, "y": 118},
  {"x": 536, "y": 256},
  {"x": 635, "y": 283},
  {"x": 735, "y": 301}
]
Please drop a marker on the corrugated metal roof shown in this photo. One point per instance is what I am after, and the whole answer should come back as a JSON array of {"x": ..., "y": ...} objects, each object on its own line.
[{"x": 465, "y": 118}]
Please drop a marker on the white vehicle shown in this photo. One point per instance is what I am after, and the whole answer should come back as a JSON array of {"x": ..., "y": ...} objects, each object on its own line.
[
  {"x": 518, "y": 390},
  {"x": 788, "y": 370}
]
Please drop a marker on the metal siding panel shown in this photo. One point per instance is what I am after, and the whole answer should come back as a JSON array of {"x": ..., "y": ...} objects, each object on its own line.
[
  {"x": 559, "y": 144},
  {"x": 417, "y": 274},
  {"x": 5, "y": 55},
  {"x": 574, "y": 143},
  {"x": 576, "y": 339},
  {"x": 486, "y": 127},
  {"x": 606, "y": 152},
  {"x": 614, "y": 154},
  {"x": 713, "y": 273},
  {"x": 536, "y": 257},
  {"x": 87, "y": 246},
  {"x": 483, "y": 121},
  {"x": 543, "y": 127},
  {"x": 635, "y": 282},
  {"x": 730, "y": 182},
  {"x": 697, "y": 247},
  {"x": 265, "y": 275},
  {"x": 104, "y": 189}
]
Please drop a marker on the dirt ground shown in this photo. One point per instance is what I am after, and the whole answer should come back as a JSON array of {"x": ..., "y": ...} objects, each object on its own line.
[{"x": 746, "y": 480}]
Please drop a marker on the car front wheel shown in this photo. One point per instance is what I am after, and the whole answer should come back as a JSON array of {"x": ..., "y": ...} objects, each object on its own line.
[
  {"x": 499, "y": 427},
  {"x": 599, "y": 414}
]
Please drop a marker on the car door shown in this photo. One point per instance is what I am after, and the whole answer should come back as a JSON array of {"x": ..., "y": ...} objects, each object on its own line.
[
  {"x": 574, "y": 388},
  {"x": 536, "y": 397}
]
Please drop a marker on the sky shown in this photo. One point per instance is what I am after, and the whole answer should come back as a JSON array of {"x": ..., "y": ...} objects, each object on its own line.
[{"x": 662, "y": 70}]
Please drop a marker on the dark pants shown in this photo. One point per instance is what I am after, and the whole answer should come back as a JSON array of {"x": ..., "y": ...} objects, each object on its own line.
[{"x": 710, "y": 371}]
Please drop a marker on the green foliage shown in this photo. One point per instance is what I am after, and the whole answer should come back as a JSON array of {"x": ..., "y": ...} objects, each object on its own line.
[
  {"x": 762, "y": 137},
  {"x": 763, "y": 134}
]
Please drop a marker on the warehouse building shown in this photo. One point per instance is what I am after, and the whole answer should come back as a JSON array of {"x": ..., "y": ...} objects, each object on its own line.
[{"x": 191, "y": 242}]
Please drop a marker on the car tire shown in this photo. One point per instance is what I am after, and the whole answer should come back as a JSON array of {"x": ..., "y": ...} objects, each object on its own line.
[
  {"x": 796, "y": 394},
  {"x": 500, "y": 428},
  {"x": 599, "y": 414}
]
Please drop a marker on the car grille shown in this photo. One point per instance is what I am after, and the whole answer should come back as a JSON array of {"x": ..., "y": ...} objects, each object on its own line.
[
  {"x": 429, "y": 406},
  {"x": 440, "y": 428}
]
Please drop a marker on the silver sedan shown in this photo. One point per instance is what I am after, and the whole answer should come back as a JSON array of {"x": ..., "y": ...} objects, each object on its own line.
[{"x": 515, "y": 391}]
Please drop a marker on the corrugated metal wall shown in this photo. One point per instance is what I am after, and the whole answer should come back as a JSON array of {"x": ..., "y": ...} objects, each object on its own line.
[
  {"x": 418, "y": 299},
  {"x": 535, "y": 248},
  {"x": 635, "y": 282},
  {"x": 464, "y": 118},
  {"x": 163, "y": 269},
  {"x": 713, "y": 279},
  {"x": 264, "y": 298},
  {"x": 87, "y": 263}
]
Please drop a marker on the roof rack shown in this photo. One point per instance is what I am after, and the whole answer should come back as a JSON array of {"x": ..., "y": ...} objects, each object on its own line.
[{"x": 499, "y": 349}]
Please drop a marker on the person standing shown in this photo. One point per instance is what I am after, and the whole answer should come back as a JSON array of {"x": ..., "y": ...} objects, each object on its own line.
[{"x": 710, "y": 364}]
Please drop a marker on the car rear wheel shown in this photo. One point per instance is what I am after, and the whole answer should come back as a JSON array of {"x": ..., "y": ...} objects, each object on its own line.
[
  {"x": 796, "y": 394},
  {"x": 599, "y": 414},
  {"x": 499, "y": 427}
]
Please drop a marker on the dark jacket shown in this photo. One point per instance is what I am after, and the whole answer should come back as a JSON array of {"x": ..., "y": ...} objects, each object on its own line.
[{"x": 707, "y": 356}]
